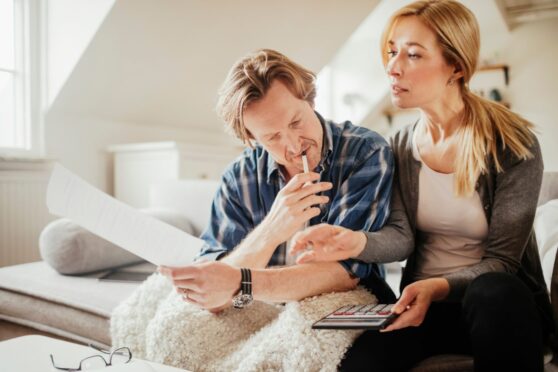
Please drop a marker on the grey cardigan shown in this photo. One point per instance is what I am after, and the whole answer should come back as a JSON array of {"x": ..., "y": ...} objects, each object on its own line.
[{"x": 509, "y": 199}]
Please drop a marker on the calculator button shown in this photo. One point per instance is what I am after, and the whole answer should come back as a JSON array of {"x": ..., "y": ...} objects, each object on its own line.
[
  {"x": 362, "y": 310},
  {"x": 367, "y": 308},
  {"x": 342, "y": 310}
]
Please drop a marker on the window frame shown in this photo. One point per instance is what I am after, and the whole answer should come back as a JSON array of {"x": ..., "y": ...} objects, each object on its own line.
[{"x": 29, "y": 78}]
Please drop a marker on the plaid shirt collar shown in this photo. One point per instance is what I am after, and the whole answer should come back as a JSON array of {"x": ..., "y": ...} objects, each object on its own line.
[{"x": 274, "y": 169}]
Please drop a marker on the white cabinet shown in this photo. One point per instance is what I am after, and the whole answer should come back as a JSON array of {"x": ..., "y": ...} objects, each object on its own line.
[{"x": 137, "y": 166}]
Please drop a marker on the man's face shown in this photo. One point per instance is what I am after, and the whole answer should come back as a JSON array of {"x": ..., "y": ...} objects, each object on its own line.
[{"x": 285, "y": 126}]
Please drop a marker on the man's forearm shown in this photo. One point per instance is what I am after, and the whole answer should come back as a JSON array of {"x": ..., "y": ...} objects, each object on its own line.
[
  {"x": 254, "y": 251},
  {"x": 297, "y": 282}
]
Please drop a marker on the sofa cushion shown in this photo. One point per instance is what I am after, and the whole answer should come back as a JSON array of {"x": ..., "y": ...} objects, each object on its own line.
[
  {"x": 192, "y": 198},
  {"x": 546, "y": 231},
  {"x": 549, "y": 187},
  {"x": 71, "y": 249},
  {"x": 78, "y": 308}
]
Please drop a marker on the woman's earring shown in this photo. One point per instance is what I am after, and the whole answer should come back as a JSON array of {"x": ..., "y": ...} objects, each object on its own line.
[{"x": 450, "y": 82}]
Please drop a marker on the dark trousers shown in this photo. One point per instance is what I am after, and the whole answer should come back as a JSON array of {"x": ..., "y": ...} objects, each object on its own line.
[
  {"x": 498, "y": 323},
  {"x": 377, "y": 285}
]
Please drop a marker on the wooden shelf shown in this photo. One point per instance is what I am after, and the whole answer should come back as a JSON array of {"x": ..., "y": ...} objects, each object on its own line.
[{"x": 502, "y": 67}]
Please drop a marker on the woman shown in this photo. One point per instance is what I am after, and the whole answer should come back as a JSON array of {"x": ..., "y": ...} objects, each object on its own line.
[{"x": 468, "y": 178}]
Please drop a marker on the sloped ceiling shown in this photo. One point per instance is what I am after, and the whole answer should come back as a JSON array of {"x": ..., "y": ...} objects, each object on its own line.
[
  {"x": 522, "y": 11},
  {"x": 161, "y": 62}
]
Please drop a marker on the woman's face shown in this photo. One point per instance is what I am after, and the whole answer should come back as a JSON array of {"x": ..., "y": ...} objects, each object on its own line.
[{"x": 418, "y": 72}]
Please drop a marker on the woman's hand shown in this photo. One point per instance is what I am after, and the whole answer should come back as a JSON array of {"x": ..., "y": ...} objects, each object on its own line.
[
  {"x": 415, "y": 301},
  {"x": 327, "y": 243}
]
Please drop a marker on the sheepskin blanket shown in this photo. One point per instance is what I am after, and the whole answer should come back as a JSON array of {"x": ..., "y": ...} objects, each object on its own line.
[{"x": 157, "y": 325}]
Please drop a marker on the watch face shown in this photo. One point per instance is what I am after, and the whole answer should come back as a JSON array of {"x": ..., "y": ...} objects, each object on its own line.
[{"x": 242, "y": 300}]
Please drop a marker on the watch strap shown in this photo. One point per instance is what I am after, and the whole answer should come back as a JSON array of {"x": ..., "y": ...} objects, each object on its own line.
[
  {"x": 246, "y": 281},
  {"x": 244, "y": 295}
]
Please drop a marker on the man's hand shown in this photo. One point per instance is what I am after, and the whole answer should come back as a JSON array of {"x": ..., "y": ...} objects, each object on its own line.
[
  {"x": 294, "y": 205},
  {"x": 292, "y": 208},
  {"x": 415, "y": 301},
  {"x": 210, "y": 285},
  {"x": 327, "y": 243}
]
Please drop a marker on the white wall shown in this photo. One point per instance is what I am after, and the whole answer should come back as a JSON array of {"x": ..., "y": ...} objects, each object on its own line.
[
  {"x": 532, "y": 54},
  {"x": 142, "y": 70},
  {"x": 79, "y": 143},
  {"x": 71, "y": 25},
  {"x": 354, "y": 80},
  {"x": 162, "y": 62}
]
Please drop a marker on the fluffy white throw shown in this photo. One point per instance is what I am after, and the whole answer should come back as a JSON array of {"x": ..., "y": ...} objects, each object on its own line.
[{"x": 159, "y": 326}]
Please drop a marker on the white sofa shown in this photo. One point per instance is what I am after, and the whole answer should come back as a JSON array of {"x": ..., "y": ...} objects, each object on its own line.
[{"x": 35, "y": 297}]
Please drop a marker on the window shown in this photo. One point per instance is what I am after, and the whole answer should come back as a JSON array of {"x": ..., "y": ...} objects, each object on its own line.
[{"x": 20, "y": 122}]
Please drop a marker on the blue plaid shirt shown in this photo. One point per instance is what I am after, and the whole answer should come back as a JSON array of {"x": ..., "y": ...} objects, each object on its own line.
[{"x": 358, "y": 162}]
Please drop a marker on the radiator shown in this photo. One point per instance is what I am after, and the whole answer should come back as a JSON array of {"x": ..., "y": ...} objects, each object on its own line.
[{"x": 23, "y": 211}]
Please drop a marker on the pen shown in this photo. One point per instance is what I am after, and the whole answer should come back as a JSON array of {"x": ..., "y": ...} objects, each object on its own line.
[
  {"x": 306, "y": 170},
  {"x": 305, "y": 162}
]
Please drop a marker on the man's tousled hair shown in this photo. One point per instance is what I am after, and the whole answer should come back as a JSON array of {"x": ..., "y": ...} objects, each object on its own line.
[{"x": 249, "y": 80}]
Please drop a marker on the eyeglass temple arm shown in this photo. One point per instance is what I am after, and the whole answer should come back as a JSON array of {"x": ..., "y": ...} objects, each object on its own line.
[
  {"x": 99, "y": 349},
  {"x": 61, "y": 368}
]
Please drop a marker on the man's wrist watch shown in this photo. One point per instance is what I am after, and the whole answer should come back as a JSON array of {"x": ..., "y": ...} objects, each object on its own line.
[{"x": 244, "y": 297}]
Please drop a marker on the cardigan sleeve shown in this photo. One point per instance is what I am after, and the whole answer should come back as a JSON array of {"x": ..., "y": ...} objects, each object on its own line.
[{"x": 396, "y": 240}]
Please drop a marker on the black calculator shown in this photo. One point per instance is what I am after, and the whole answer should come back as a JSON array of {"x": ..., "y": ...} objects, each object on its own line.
[{"x": 370, "y": 316}]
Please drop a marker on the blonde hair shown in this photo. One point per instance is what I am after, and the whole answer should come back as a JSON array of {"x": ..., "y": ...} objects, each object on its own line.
[
  {"x": 487, "y": 125},
  {"x": 250, "y": 78}
]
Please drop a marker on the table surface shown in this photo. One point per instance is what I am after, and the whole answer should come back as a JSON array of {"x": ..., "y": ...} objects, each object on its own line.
[{"x": 32, "y": 354}]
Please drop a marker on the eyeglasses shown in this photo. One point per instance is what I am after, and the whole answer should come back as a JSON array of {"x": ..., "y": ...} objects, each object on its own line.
[{"x": 118, "y": 356}]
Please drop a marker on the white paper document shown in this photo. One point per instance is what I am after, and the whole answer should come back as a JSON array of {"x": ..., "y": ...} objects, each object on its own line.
[{"x": 155, "y": 241}]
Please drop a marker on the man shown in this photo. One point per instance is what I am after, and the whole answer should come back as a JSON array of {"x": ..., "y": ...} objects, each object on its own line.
[{"x": 266, "y": 197}]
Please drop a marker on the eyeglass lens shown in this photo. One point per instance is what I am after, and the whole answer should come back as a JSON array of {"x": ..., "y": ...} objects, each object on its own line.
[
  {"x": 120, "y": 356},
  {"x": 92, "y": 362}
]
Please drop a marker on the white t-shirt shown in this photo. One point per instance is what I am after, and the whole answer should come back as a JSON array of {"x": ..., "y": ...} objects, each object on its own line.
[{"x": 451, "y": 229}]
